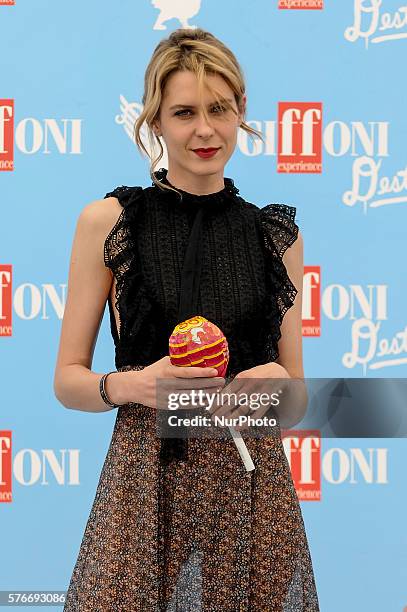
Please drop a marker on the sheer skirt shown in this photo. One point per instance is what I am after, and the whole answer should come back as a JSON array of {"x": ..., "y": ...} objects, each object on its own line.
[{"x": 201, "y": 535}]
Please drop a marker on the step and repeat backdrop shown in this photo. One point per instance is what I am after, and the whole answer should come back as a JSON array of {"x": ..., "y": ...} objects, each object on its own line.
[{"x": 326, "y": 87}]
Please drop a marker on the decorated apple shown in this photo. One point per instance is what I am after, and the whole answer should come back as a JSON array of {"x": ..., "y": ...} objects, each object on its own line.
[{"x": 200, "y": 343}]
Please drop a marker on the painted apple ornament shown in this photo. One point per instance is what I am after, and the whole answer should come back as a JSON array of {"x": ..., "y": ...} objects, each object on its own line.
[{"x": 200, "y": 343}]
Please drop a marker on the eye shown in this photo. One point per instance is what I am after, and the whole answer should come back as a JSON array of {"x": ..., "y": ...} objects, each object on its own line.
[
  {"x": 181, "y": 113},
  {"x": 221, "y": 108},
  {"x": 218, "y": 109}
]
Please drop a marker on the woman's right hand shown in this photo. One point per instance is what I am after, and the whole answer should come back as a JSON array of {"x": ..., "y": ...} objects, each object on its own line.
[{"x": 141, "y": 385}]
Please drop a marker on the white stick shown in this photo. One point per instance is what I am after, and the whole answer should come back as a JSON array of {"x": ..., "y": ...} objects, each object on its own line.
[{"x": 242, "y": 448}]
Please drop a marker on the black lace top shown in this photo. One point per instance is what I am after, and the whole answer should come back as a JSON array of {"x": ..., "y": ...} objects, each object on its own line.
[{"x": 213, "y": 255}]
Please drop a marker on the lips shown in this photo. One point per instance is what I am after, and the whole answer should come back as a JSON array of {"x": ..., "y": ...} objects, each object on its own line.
[{"x": 206, "y": 153}]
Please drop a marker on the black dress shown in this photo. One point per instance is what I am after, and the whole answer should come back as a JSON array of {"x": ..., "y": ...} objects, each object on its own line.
[{"x": 180, "y": 525}]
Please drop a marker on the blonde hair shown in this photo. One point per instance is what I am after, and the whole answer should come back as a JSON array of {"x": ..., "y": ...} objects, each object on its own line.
[{"x": 202, "y": 54}]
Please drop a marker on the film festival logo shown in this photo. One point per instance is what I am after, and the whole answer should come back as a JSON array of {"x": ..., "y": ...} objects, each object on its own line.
[
  {"x": 183, "y": 10},
  {"x": 369, "y": 348},
  {"x": 31, "y": 135},
  {"x": 302, "y": 449},
  {"x": 366, "y": 307},
  {"x": 374, "y": 26},
  {"x": 30, "y": 467},
  {"x": 337, "y": 466},
  {"x": 6, "y": 300},
  {"x": 301, "y": 140},
  {"x": 28, "y": 301},
  {"x": 299, "y": 137},
  {"x": 301, "y": 4},
  {"x": 369, "y": 188},
  {"x": 311, "y": 302}
]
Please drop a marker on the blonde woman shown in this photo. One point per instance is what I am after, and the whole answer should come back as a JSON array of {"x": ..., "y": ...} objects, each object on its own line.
[{"x": 178, "y": 524}]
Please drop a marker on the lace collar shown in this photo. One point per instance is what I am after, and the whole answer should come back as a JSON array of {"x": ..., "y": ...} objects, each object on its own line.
[{"x": 226, "y": 195}]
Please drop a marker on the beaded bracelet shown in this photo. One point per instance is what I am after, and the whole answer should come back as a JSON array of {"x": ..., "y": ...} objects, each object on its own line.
[{"x": 103, "y": 391}]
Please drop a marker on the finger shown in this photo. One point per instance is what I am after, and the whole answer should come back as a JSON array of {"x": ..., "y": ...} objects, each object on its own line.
[
  {"x": 194, "y": 372},
  {"x": 177, "y": 386},
  {"x": 227, "y": 402},
  {"x": 243, "y": 409},
  {"x": 201, "y": 383}
]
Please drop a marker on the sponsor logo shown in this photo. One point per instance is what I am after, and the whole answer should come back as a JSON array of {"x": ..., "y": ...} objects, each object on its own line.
[
  {"x": 376, "y": 190},
  {"x": 372, "y": 350},
  {"x": 31, "y": 467},
  {"x": 311, "y": 301},
  {"x": 29, "y": 301},
  {"x": 372, "y": 26},
  {"x": 32, "y": 135},
  {"x": 299, "y": 137},
  {"x": 336, "y": 466},
  {"x": 366, "y": 307},
  {"x": 6, "y": 134},
  {"x": 301, "y": 4},
  {"x": 6, "y": 299},
  {"x": 5, "y": 466}
]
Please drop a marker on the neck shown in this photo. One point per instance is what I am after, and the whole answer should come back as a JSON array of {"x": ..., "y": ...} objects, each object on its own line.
[{"x": 196, "y": 184}]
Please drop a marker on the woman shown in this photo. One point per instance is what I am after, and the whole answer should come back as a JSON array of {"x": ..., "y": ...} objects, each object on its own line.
[{"x": 179, "y": 524}]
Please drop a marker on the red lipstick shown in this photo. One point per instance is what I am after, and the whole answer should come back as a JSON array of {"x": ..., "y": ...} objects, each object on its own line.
[{"x": 206, "y": 153}]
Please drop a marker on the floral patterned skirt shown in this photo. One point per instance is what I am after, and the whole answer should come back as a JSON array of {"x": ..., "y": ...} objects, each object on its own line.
[{"x": 200, "y": 535}]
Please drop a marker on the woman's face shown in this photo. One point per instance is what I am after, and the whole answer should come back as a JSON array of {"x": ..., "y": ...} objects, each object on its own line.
[{"x": 184, "y": 128}]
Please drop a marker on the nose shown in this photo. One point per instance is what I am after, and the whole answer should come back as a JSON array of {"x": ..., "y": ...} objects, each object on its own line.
[{"x": 203, "y": 128}]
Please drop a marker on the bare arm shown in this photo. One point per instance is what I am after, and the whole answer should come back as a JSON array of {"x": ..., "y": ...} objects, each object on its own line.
[
  {"x": 89, "y": 283},
  {"x": 290, "y": 344}
]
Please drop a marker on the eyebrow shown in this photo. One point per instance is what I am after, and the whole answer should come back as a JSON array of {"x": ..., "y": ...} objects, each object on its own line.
[{"x": 191, "y": 105}]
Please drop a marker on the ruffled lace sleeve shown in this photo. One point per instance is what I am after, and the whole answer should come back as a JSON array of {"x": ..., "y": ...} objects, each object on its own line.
[
  {"x": 119, "y": 248},
  {"x": 120, "y": 256},
  {"x": 279, "y": 231}
]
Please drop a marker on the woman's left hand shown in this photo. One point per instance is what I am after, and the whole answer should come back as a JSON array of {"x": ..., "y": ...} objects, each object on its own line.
[{"x": 263, "y": 379}]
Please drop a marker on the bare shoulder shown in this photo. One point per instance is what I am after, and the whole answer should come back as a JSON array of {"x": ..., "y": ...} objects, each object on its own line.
[
  {"x": 101, "y": 214},
  {"x": 95, "y": 222}
]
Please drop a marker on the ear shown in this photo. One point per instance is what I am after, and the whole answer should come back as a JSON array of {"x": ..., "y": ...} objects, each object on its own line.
[
  {"x": 156, "y": 128},
  {"x": 242, "y": 109}
]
